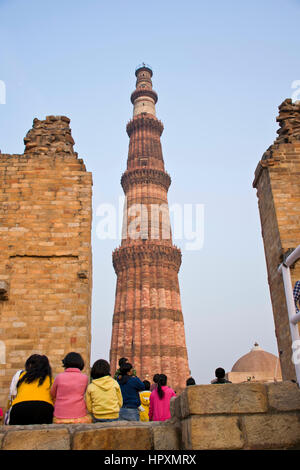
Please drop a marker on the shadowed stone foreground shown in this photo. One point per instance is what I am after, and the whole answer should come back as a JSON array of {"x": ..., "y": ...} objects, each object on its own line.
[{"x": 204, "y": 417}]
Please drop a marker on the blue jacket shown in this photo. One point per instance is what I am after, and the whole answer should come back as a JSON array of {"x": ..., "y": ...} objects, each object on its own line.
[{"x": 130, "y": 388}]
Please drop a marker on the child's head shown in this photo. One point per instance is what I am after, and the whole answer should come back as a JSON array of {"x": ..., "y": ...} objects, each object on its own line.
[
  {"x": 125, "y": 368},
  {"x": 147, "y": 384},
  {"x": 101, "y": 368},
  {"x": 122, "y": 361},
  {"x": 73, "y": 360},
  {"x": 220, "y": 373},
  {"x": 155, "y": 378}
]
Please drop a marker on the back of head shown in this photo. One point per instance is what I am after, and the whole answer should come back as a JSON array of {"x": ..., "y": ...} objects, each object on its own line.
[
  {"x": 155, "y": 378},
  {"x": 162, "y": 381},
  {"x": 101, "y": 368},
  {"x": 73, "y": 360},
  {"x": 220, "y": 373},
  {"x": 125, "y": 368},
  {"x": 190, "y": 381},
  {"x": 147, "y": 384},
  {"x": 37, "y": 368},
  {"x": 122, "y": 361}
]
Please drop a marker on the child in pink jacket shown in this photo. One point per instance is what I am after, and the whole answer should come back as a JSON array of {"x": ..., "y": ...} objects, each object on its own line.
[
  {"x": 68, "y": 392},
  {"x": 159, "y": 409}
]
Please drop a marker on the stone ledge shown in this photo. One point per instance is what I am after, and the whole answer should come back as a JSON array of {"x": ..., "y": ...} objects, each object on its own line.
[
  {"x": 283, "y": 396},
  {"x": 221, "y": 399},
  {"x": 272, "y": 431},
  {"x": 119, "y": 435},
  {"x": 212, "y": 433}
]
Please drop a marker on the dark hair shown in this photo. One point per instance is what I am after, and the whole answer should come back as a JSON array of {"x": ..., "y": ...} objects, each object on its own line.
[
  {"x": 190, "y": 381},
  {"x": 73, "y": 359},
  {"x": 162, "y": 380},
  {"x": 125, "y": 368},
  {"x": 220, "y": 373},
  {"x": 37, "y": 367},
  {"x": 101, "y": 368},
  {"x": 147, "y": 384},
  {"x": 155, "y": 378},
  {"x": 122, "y": 361}
]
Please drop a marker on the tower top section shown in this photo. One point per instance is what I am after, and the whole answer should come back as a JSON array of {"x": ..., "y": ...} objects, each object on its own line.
[{"x": 144, "y": 98}]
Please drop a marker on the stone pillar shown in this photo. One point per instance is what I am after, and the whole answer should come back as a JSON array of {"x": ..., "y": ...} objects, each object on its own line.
[
  {"x": 278, "y": 192},
  {"x": 45, "y": 250}
]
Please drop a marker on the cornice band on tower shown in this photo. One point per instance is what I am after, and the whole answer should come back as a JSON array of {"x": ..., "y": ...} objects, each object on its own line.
[
  {"x": 138, "y": 255},
  {"x": 145, "y": 121},
  {"x": 145, "y": 175}
]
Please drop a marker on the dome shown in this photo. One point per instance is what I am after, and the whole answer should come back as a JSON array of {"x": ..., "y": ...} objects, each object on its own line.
[{"x": 258, "y": 360}]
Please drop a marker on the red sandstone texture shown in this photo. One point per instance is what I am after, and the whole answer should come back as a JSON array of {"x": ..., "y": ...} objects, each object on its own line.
[{"x": 148, "y": 325}]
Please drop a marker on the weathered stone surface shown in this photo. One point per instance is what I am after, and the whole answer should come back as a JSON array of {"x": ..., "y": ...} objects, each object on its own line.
[
  {"x": 1, "y": 439},
  {"x": 45, "y": 240},
  {"x": 166, "y": 436},
  {"x": 41, "y": 439},
  {"x": 175, "y": 407},
  {"x": 284, "y": 396},
  {"x": 272, "y": 431},
  {"x": 114, "y": 438},
  {"x": 223, "y": 399},
  {"x": 212, "y": 433}
]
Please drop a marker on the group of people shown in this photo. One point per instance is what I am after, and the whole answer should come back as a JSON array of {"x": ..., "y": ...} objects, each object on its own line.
[{"x": 72, "y": 397}]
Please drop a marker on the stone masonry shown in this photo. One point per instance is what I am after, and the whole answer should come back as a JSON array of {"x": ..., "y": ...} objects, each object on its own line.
[
  {"x": 148, "y": 326},
  {"x": 45, "y": 250},
  {"x": 277, "y": 179},
  {"x": 204, "y": 417}
]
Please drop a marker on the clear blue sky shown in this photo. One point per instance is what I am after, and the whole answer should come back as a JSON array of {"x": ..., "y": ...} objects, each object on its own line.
[{"x": 220, "y": 69}]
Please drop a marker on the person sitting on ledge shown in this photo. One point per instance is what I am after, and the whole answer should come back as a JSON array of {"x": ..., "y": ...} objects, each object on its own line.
[
  {"x": 190, "y": 381},
  {"x": 220, "y": 377},
  {"x": 160, "y": 398},
  {"x": 103, "y": 395},
  {"x": 130, "y": 388},
  {"x": 33, "y": 403},
  {"x": 68, "y": 392}
]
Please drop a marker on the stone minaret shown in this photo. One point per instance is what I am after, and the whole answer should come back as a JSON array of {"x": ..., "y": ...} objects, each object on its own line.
[
  {"x": 278, "y": 192},
  {"x": 148, "y": 325}
]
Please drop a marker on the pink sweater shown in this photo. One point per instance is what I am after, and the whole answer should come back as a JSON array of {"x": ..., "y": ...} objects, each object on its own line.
[
  {"x": 159, "y": 409},
  {"x": 68, "y": 391}
]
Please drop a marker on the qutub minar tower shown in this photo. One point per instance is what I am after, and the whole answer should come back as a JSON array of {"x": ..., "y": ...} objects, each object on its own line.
[{"x": 148, "y": 325}]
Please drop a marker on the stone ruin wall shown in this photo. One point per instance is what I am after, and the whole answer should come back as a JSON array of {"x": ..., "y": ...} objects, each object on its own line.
[
  {"x": 278, "y": 191},
  {"x": 45, "y": 251}
]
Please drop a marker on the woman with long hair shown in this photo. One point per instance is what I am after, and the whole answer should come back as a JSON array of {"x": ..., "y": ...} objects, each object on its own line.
[
  {"x": 33, "y": 403},
  {"x": 159, "y": 409}
]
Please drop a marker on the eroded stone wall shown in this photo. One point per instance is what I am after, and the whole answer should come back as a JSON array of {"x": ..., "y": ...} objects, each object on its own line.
[
  {"x": 278, "y": 191},
  {"x": 45, "y": 250}
]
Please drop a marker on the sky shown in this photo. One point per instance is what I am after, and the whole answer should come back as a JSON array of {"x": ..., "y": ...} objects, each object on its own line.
[{"x": 221, "y": 69}]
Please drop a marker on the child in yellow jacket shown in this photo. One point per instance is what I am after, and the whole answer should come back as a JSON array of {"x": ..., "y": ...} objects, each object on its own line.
[
  {"x": 145, "y": 402},
  {"x": 103, "y": 395}
]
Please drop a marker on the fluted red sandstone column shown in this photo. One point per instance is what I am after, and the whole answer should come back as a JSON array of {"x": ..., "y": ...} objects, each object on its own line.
[{"x": 148, "y": 325}]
